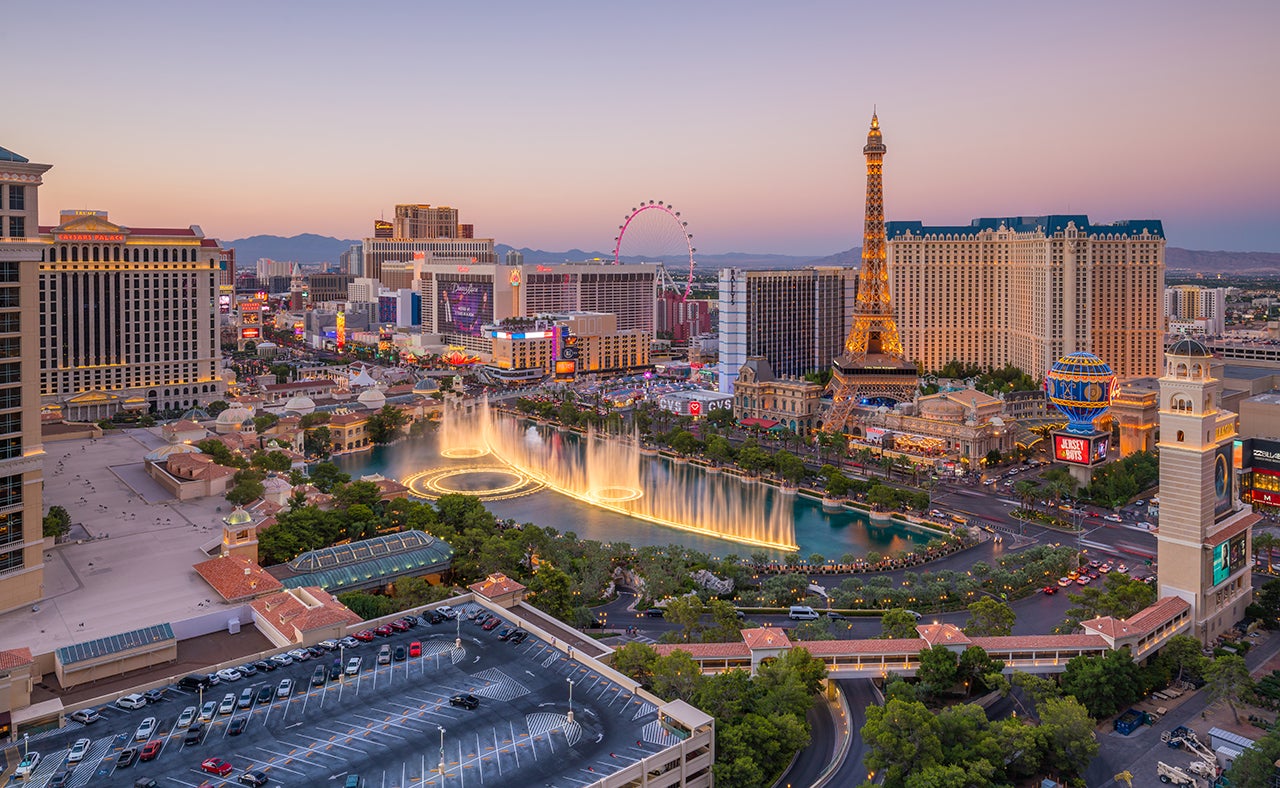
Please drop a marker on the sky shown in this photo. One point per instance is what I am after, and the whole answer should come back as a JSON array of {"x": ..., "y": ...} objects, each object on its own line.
[{"x": 545, "y": 123}]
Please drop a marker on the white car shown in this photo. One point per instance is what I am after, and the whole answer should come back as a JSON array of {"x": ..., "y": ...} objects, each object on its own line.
[
  {"x": 229, "y": 674},
  {"x": 145, "y": 730},
  {"x": 208, "y": 711},
  {"x": 447, "y": 611},
  {"x": 187, "y": 716},
  {"x": 78, "y": 750},
  {"x": 285, "y": 688},
  {"x": 228, "y": 704},
  {"x": 28, "y": 765}
]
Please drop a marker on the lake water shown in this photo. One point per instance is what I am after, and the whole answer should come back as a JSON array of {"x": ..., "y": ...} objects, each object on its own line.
[{"x": 816, "y": 531}]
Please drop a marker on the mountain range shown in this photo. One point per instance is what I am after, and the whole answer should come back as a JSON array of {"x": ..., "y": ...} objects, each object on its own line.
[{"x": 312, "y": 248}]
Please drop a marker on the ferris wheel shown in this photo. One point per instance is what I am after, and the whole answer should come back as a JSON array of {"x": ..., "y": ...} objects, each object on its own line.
[{"x": 655, "y": 233}]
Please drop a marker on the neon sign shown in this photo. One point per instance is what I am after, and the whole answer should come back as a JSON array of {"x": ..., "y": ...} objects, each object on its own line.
[{"x": 100, "y": 237}]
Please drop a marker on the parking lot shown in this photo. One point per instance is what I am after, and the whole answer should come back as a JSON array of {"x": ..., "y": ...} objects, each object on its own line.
[{"x": 384, "y": 722}]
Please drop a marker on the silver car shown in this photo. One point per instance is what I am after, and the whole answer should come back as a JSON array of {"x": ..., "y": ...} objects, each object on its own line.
[{"x": 145, "y": 730}]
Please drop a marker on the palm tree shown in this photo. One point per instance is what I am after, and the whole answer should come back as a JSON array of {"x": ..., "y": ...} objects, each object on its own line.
[
  {"x": 1027, "y": 491},
  {"x": 1264, "y": 543}
]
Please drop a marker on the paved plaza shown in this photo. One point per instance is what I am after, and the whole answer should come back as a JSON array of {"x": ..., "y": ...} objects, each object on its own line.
[{"x": 131, "y": 566}]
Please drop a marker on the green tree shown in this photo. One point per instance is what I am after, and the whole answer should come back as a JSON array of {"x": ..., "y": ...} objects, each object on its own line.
[
  {"x": 357, "y": 493},
  {"x": 386, "y": 425},
  {"x": 1104, "y": 684},
  {"x": 753, "y": 459},
  {"x": 216, "y": 407},
  {"x": 317, "y": 442},
  {"x": 897, "y": 623},
  {"x": 719, "y": 450},
  {"x": 902, "y": 738},
  {"x": 57, "y": 522},
  {"x": 976, "y": 668},
  {"x": 1180, "y": 657},
  {"x": 1256, "y": 764},
  {"x": 1227, "y": 678},
  {"x": 687, "y": 612},
  {"x": 272, "y": 461},
  {"x": 265, "y": 421},
  {"x": 685, "y": 443},
  {"x": 990, "y": 618},
  {"x": 1120, "y": 597},
  {"x": 1070, "y": 743},
  {"x": 676, "y": 675},
  {"x": 790, "y": 467},
  {"x": 636, "y": 660},
  {"x": 221, "y": 454},
  {"x": 813, "y": 630},
  {"x": 325, "y": 476},
  {"x": 551, "y": 591},
  {"x": 246, "y": 489},
  {"x": 882, "y": 497},
  {"x": 937, "y": 671}
]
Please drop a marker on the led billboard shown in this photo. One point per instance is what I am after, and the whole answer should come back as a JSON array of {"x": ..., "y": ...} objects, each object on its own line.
[
  {"x": 1080, "y": 449},
  {"x": 1228, "y": 557},
  {"x": 464, "y": 306}
]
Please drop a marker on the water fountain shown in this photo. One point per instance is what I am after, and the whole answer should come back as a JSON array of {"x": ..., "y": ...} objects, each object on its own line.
[{"x": 606, "y": 471}]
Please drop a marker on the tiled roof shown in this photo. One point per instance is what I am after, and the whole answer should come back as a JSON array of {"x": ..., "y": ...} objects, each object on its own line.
[
  {"x": 348, "y": 418},
  {"x": 161, "y": 231},
  {"x": 944, "y": 634},
  {"x": 301, "y": 385},
  {"x": 15, "y": 657},
  {"x": 1038, "y": 642},
  {"x": 705, "y": 650},
  {"x": 236, "y": 578},
  {"x": 287, "y": 609},
  {"x": 766, "y": 637},
  {"x": 1144, "y": 622},
  {"x": 196, "y": 466},
  {"x": 495, "y": 585},
  {"x": 185, "y": 425},
  {"x": 1235, "y": 529},
  {"x": 836, "y": 648}
]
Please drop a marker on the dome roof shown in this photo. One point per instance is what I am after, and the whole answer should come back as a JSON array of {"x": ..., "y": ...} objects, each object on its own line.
[
  {"x": 301, "y": 404},
  {"x": 169, "y": 449},
  {"x": 1188, "y": 347},
  {"x": 1081, "y": 363},
  {"x": 941, "y": 408},
  {"x": 234, "y": 415},
  {"x": 426, "y": 386},
  {"x": 238, "y": 517},
  {"x": 372, "y": 399}
]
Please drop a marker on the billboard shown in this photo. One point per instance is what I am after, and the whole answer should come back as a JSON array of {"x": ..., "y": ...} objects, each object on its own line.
[
  {"x": 249, "y": 333},
  {"x": 1262, "y": 453},
  {"x": 1223, "y": 478},
  {"x": 462, "y": 306},
  {"x": 1080, "y": 449},
  {"x": 1229, "y": 557}
]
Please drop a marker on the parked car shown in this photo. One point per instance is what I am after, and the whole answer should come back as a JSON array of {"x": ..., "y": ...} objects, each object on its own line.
[
  {"x": 250, "y": 669},
  {"x": 834, "y": 616},
  {"x": 519, "y": 637},
  {"x": 265, "y": 665},
  {"x": 154, "y": 695},
  {"x": 349, "y": 642},
  {"x": 145, "y": 782},
  {"x": 399, "y": 625},
  {"x": 353, "y": 666},
  {"x": 328, "y": 645},
  {"x": 383, "y": 631},
  {"x": 480, "y": 618},
  {"x": 246, "y": 698},
  {"x": 282, "y": 660},
  {"x": 209, "y": 710},
  {"x": 284, "y": 688},
  {"x": 654, "y": 612},
  {"x": 229, "y": 674},
  {"x": 506, "y": 632},
  {"x": 465, "y": 701},
  {"x": 447, "y": 612},
  {"x": 353, "y": 781},
  {"x": 132, "y": 701},
  {"x": 415, "y": 649},
  {"x": 237, "y": 726},
  {"x": 253, "y": 777},
  {"x": 1050, "y": 590},
  {"x": 60, "y": 780},
  {"x": 151, "y": 750},
  {"x": 78, "y": 750},
  {"x": 216, "y": 766},
  {"x": 86, "y": 716},
  {"x": 491, "y": 624},
  {"x": 193, "y": 733},
  {"x": 364, "y": 635},
  {"x": 265, "y": 693},
  {"x": 318, "y": 676},
  {"x": 384, "y": 655},
  {"x": 145, "y": 730},
  {"x": 335, "y": 670},
  {"x": 300, "y": 655},
  {"x": 126, "y": 758},
  {"x": 228, "y": 703},
  {"x": 315, "y": 651},
  {"x": 399, "y": 654},
  {"x": 194, "y": 682}
]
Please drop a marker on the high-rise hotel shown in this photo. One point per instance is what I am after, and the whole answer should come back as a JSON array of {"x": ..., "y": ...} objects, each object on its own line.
[
  {"x": 128, "y": 317},
  {"x": 21, "y": 451},
  {"x": 1028, "y": 290}
]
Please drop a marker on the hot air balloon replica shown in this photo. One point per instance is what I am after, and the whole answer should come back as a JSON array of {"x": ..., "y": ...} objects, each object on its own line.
[{"x": 1080, "y": 386}]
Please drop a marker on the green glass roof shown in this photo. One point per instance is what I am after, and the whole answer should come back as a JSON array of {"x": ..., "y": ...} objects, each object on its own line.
[
  {"x": 114, "y": 644},
  {"x": 375, "y": 570},
  {"x": 369, "y": 549}
]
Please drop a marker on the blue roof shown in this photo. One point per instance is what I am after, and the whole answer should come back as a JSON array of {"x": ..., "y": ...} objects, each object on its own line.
[
  {"x": 115, "y": 644},
  {"x": 1049, "y": 225},
  {"x": 8, "y": 155}
]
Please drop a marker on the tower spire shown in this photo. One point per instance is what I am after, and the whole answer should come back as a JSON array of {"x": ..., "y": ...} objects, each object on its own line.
[{"x": 873, "y": 369}]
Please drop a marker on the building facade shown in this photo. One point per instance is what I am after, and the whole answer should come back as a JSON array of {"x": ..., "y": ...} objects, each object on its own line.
[
  {"x": 422, "y": 234},
  {"x": 1204, "y": 545},
  {"x": 1196, "y": 310},
  {"x": 797, "y": 320},
  {"x": 1027, "y": 290},
  {"x": 21, "y": 450},
  {"x": 679, "y": 319},
  {"x": 760, "y": 394},
  {"x": 128, "y": 317}
]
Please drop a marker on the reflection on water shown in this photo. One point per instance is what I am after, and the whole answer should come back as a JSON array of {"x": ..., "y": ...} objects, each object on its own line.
[{"x": 669, "y": 486}]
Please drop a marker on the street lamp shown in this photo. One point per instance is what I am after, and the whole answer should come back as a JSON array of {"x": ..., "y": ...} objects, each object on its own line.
[
  {"x": 441, "y": 727},
  {"x": 457, "y": 620},
  {"x": 570, "y": 699}
]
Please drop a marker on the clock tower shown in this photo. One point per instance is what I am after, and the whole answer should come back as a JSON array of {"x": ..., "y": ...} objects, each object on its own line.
[{"x": 1204, "y": 544}]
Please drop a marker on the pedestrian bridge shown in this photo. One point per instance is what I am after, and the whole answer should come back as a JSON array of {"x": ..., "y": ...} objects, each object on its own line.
[{"x": 1142, "y": 633}]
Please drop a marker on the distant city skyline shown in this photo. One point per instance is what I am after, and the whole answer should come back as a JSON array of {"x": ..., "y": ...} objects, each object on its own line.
[{"x": 544, "y": 124}]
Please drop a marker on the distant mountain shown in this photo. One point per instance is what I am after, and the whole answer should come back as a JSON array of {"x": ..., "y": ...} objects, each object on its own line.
[
  {"x": 305, "y": 248},
  {"x": 311, "y": 248}
]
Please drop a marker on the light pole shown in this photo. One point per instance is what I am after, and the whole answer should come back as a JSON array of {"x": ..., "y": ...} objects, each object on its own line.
[
  {"x": 441, "y": 727},
  {"x": 457, "y": 620},
  {"x": 24, "y": 746},
  {"x": 570, "y": 699}
]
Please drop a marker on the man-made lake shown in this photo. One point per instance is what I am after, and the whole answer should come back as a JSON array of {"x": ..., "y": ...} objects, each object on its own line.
[{"x": 744, "y": 506}]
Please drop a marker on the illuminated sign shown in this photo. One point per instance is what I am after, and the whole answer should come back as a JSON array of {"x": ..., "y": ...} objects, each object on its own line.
[
  {"x": 462, "y": 269},
  {"x": 1263, "y": 453},
  {"x": 565, "y": 368},
  {"x": 543, "y": 269},
  {"x": 1265, "y": 496},
  {"x": 695, "y": 408},
  {"x": 515, "y": 277},
  {"x": 1223, "y": 482},
  {"x": 249, "y": 333},
  {"x": 104, "y": 237},
  {"x": 1228, "y": 557},
  {"x": 1080, "y": 450}
]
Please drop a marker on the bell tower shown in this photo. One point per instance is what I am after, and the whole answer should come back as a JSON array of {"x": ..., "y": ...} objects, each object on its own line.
[{"x": 1204, "y": 544}]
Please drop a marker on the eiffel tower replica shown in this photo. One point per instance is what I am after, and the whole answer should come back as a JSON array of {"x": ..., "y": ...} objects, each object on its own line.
[{"x": 872, "y": 370}]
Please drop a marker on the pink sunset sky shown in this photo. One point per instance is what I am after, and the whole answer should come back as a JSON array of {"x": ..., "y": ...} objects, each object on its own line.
[{"x": 544, "y": 122}]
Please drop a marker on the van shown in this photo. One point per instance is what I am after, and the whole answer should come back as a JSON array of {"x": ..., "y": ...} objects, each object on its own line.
[
  {"x": 132, "y": 701},
  {"x": 802, "y": 613},
  {"x": 195, "y": 681}
]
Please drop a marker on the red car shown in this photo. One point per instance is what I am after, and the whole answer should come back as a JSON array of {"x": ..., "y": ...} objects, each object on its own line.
[
  {"x": 399, "y": 625},
  {"x": 216, "y": 766},
  {"x": 364, "y": 635},
  {"x": 1050, "y": 590},
  {"x": 491, "y": 624},
  {"x": 383, "y": 631},
  {"x": 415, "y": 649},
  {"x": 150, "y": 750}
]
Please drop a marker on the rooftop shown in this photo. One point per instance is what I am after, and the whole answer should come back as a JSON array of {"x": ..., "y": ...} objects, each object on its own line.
[
  {"x": 1049, "y": 225},
  {"x": 236, "y": 578},
  {"x": 115, "y": 644},
  {"x": 368, "y": 562},
  {"x": 8, "y": 155}
]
